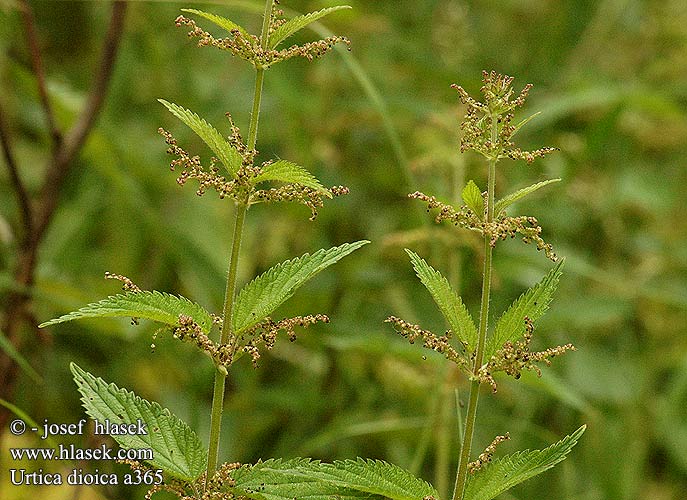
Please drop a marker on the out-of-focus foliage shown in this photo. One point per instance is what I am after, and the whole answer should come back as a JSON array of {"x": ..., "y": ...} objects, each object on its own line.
[{"x": 611, "y": 81}]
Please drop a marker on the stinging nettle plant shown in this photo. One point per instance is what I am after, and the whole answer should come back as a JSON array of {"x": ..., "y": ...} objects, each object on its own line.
[
  {"x": 245, "y": 326},
  {"x": 488, "y": 129}
]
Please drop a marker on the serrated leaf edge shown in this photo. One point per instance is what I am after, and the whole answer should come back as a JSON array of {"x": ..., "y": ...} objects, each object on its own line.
[
  {"x": 471, "y": 194},
  {"x": 119, "y": 392},
  {"x": 551, "y": 279},
  {"x": 91, "y": 310},
  {"x": 222, "y": 22},
  {"x": 268, "y": 277},
  {"x": 271, "y": 172},
  {"x": 226, "y": 153},
  {"x": 297, "y": 23},
  {"x": 566, "y": 443},
  {"x": 508, "y": 200},
  {"x": 459, "y": 329}
]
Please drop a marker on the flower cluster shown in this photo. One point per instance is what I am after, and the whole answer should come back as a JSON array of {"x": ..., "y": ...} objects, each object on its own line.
[
  {"x": 210, "y": 177},
  {"x": 248, "y": 47},
  {"x": 242, "y": 187},
  {"x": 499, "y": 229},
  {"x": 486, "y": 456},
  {"x": 128, "y": 284},
  {"x": 190, "y": 331},
  {"x": 265, "y": 332},
  {"x": 312, "y": 198},
  {"x": 513, "y": 358},
  {"x": 487, "y": 127},
  {"x": 214, "y": 490},
  {"x": 441, "y": 344},
  {"x": 463, "y": 217}
]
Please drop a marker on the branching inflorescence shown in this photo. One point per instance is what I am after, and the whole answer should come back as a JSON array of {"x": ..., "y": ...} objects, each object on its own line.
[
  {"x": 242, "y": 187},
  {"x": 501, "y": 228},
  {"x": 250, "y": 48},
  {"x": 496, "y": 113},
  {"x": 514, "y": 357},
  {"x": 488, "y": 453}
]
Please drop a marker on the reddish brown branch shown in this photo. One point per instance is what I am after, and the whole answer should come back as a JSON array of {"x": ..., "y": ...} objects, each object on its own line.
[
  {"x": 37, "y": 65},
  {"x": 17, "y": 183},
  {"x": 57, "y": 168},
  {"x": 17, "y": 302}
]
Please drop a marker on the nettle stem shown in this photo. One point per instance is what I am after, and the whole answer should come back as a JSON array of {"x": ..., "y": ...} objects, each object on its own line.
[
  {"x": 227, "y": 336},
  {"x": 471, "y": 416}
]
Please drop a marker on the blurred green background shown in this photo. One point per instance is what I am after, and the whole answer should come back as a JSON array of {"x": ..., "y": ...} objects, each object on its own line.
[{"x": 610, "y": 80}]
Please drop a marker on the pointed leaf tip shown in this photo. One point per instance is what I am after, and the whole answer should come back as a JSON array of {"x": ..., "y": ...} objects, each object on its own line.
[
  {"x": 272, "y": 288},
  {"x": 153, "y": 305},
  {"x": 298, "y": 23},
  {"x": 290, "y": 173},
  {"x": 533, "y": 303},
  {"x": 511, "y": 470},
  {"x": 220, "y": 21},
  {"x": 227, "y": 154},
  {"x": 506, "y": 201},
  {"x": 358, "y": 479}
]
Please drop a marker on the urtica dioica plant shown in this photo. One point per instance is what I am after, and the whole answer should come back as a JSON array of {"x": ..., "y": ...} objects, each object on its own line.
[
  {"x": 488, "y": 129},
  {"x": 181, "y": 463}
]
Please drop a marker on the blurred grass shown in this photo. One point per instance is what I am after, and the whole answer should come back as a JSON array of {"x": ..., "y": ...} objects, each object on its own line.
[{"x": 611, "y": 81}]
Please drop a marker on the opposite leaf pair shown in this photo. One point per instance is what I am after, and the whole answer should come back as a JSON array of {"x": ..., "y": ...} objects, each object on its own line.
[
  {"x": 240, "y": 177},
  {"x": 256, "y": 301},
  {"x": 180, "y": 454}
]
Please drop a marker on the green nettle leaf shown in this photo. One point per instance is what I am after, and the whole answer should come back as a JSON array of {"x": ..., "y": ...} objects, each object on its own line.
[
  {"x": 504, "y": 473},
  {"x": 288, "y": 479},
  {"x": 521, "y": 193},
  {"x": 352, "y": 479},
  {"x": 272, "y": 288},
  {"x": 176, "y": 448},
  {"x": 153, "y": 305},
  {"x": 220, "y": 21},
  {"x": 289, "y": 172},
  {"x": 298, "y": 23},
  {"x": 472, "y": 196},
  {"x": 533, "y": 304},
  {"x": 449, "y": 303},
  {"x": 377, "y": 478},
  {"x": 227, "y": 154}
]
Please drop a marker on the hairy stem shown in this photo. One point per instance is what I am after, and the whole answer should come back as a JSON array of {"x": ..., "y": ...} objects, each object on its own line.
[
  {"x": 255, "y": 113},
  {"x": 471, "y": 416},
  {"x": 444, "y": 435},
  {"x": 227, "y": 336}
]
